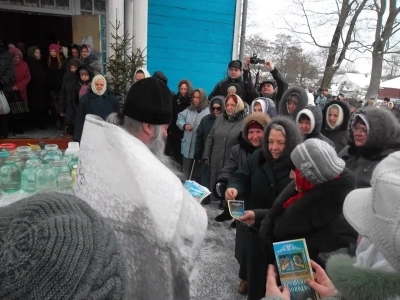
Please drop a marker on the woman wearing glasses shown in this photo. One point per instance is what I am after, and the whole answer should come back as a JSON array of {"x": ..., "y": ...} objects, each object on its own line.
[
  {"x": 216, "y": 107},
  {"x": 293, "y": 100},
  {"x": 374, "y": 134}
]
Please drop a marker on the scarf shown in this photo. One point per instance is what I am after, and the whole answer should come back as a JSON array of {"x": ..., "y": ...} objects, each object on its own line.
[
  {"x": 369, "y": 257},
  {"x": 203, "y": 103},
  {"x": 302, "y": 186},
  {"x": 236, "y": 116}
]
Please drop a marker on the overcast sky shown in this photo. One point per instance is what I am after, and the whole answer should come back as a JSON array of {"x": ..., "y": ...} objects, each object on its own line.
[{"x": 266, "y": 18}]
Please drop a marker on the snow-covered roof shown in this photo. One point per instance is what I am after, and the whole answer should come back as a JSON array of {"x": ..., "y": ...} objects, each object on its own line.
[
  {"x": 392, "y": 83},
  {"x": 360, "y": 80}
]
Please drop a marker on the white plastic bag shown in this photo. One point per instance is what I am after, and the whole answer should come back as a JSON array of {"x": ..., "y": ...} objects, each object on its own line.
[{"x": 4, "y": 106}]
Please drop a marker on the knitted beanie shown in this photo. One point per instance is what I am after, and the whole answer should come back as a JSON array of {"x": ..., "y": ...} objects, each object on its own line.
[
  {"x": 54, "y": 47},
  {"x": 55, "y": 246},
  {"x": 149, "y": 101},
  {"x": 317, "y": 161},
  {"x": 235, "y": 64}
]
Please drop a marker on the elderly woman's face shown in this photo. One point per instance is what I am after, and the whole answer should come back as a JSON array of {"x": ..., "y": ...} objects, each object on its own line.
[
  {"x": 276, "y": 143},
  {"x": 99, "y": 84},
  {"x": 230, "y": 106},
  {"x": 360, "y": 134}
]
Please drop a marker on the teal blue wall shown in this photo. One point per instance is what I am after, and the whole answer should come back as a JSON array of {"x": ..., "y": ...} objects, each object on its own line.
[{"x": 191, "y": 40}]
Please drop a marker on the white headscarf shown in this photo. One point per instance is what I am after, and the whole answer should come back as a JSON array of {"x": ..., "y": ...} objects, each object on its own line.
[{"x": 97, "y": 77}]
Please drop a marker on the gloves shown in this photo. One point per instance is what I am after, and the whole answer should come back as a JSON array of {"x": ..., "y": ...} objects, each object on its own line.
[{"x": 219, "y": 189}]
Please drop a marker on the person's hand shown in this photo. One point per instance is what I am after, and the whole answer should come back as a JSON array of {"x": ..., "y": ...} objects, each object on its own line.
[
  {"x": 231, "y": 194},
  {"x": 272, "y": 288},
  {"x": 322, "y": 284},
  {"x": 14, "y": 88},
  {"x": 188, "y": 127},
  {"x": 62, "y": 114},
  {"x": 197, "y": 157},
  {"x": 249, "y": 217},
  {"x": 206, "y": 161},
  {"x": 269, "y": 65},
  {"x": 246, "y": 63}
]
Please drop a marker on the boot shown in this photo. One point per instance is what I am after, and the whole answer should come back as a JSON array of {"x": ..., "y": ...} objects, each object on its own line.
[{"x": 225, "y": 216}]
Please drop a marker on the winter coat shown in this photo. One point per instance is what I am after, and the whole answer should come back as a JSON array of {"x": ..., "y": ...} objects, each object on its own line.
[
  {"x": 94, "y": 104},
  {"x": 68, "y": 98},
  {"x": 220, "y": 140},
  {"x": 267, "y": 105},
  {"x": 314, "y": 112},
  {"x": 37, "y": 88},
  {"x": 22, "y": 78},
  {"x": 282, "y": 86},
  {"x": 317, "y": 217},
  {"x": 193, "y": 118},
  {"x": 320, "y": 102},
  {"x": 84, "y": 87},
  {"x": 7, "y": 71},
  {"x": 245, "y": 91},
  {"x": 259, "y": 181},
  {"x": 383, "y": 139},
  {"x": 159, "y": 239},
  {"x": 94, "y": 63},
  {"x": 356, "y": 283},
  {"x": 339, "y": 135},
  {"x": 303, "y": 101},
  {"x": 55, "y": 76}
]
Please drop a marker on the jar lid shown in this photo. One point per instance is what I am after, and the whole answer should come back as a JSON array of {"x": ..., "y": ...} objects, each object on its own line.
[
  {"x": 75, "y": 167},
  {"x": 51, "y": 147},
  {"x": 73, "y": 145},
  {"x": 35, "y": 147},
  {"x": 8, "y": 146},
  {"x": 4, "y": 153}
]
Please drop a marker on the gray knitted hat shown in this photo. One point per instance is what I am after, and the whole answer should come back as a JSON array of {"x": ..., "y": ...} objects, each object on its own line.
[
  {"x": 55, "y": 246},
  {"x": 375, "y": 212},
  {"x": 317, "y": 161}
]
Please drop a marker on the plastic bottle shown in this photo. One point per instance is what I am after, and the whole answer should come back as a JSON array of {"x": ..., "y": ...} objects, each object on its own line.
[
  {"x": 10, "y": 177},
  {"x": 73, "y": 149}
]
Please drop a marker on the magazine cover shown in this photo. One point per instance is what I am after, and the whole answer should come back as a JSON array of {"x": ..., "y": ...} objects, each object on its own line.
[
  {"x": 236, "y": 208},
  {"x": 294, "y": 268}
]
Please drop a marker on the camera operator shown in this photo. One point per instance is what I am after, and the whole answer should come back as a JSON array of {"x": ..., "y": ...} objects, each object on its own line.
[
  {"x": 245, "y": 89},
  {"x": 268, "y": 88}
]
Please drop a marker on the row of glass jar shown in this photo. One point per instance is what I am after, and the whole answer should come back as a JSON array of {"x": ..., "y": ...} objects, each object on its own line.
[{"x": 38, "y": 176}]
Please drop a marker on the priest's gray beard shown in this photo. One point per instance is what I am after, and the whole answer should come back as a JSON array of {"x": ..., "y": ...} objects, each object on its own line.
[{"x": 157, "y": 147}]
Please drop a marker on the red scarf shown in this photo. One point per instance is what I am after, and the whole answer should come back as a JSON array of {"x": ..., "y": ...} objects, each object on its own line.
[{"x": 302, "y": 186}]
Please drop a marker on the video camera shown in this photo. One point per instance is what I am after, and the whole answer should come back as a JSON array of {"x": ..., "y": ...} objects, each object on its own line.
[{"x": 255, "y": 60}]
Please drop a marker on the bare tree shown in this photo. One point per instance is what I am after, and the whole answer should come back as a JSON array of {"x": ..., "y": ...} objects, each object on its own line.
[
  {"x": 346, "y": 15},
  {"x": 391, "y": 66},
  {"x": 384, "y": 43}
]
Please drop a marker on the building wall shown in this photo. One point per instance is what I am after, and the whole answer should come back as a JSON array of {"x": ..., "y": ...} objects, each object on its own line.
[
  {"x": 389, "y": 92},
  {"x": 191, "y": 39}
]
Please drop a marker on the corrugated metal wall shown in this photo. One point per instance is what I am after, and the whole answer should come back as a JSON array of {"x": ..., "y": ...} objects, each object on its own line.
[{"x": 191, "y": 39}]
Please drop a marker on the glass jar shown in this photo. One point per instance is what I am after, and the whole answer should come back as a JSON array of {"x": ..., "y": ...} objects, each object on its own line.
[
  {"x": 11, "y": 148},
  {"x": 61, "y": 166},
  {"x": 10, "y": 177},
  {"x": 18, "y": 161},
  {"x": 51, "y": 156},
  {"x": 64, "y": 183},
  {"x": 3, "y": 156},
  {"x": 35, "y": 161},
  {"x": 28, "y": 177},
  {"x": 46, "y": 178},
  {"x": 73, "y": 162},
  {"x": 53, "y": 147},
  {"x": 24, "y": 152}
]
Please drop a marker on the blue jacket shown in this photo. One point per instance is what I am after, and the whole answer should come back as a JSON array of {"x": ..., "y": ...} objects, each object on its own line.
[
  {"x": 193, "y": 118},
  {"x": 320, "y": 102}
]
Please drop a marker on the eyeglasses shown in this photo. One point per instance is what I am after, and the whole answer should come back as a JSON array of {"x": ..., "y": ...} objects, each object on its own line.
[
  {"x": 216, "y": 108},
  {"x": 360, "y": 130}
]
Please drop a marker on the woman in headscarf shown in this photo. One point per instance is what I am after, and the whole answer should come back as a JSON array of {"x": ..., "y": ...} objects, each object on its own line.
[
  {"x": 90, "y": 57},
  {"x": 223, "y": 136},
  {"x": 216, "y": 108},
  {"x": 264, "y": 105},
  {"x": 188, "y": 121},
  {"x": 22, "y": 78},
  {"x": 97, "y": 101},
  {"x": 293, "y": 100},
  {"x": 37, "y": 87}
]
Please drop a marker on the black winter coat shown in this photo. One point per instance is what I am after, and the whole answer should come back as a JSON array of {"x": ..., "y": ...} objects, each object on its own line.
[
  {"x": 55, "y": 76},
  {"x": 68, "y": 98},
  {"x": 317, "y": 217},
  {"x": 246, "y": 91},
  {"x": 37, "y": 89},
  {"x": 282, "y": 86},
  {"x": 93, "y": 104},
  {"x": 7, "y": 71}
]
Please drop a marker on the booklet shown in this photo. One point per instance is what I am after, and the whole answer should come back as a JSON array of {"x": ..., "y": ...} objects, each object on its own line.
[
  {"x": 294, "y": 268},
  {"x": 198, "y": 191},
  {"x": 236, "y": 208}
]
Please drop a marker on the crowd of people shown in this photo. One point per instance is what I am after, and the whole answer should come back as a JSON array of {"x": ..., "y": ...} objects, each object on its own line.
[{"x": 326, "y": 171}]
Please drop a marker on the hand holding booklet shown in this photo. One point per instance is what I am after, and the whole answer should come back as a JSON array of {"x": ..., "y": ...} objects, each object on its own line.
[
  {"x": 198, "y": 191},
  {"x": 236, "y": 208},
  {"x": 294, "y": 268}
]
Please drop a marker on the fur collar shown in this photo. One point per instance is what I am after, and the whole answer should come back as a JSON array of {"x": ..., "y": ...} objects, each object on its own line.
[
  {"x": 357, "y": 283},
  {"x": 245, "y": 144}
]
